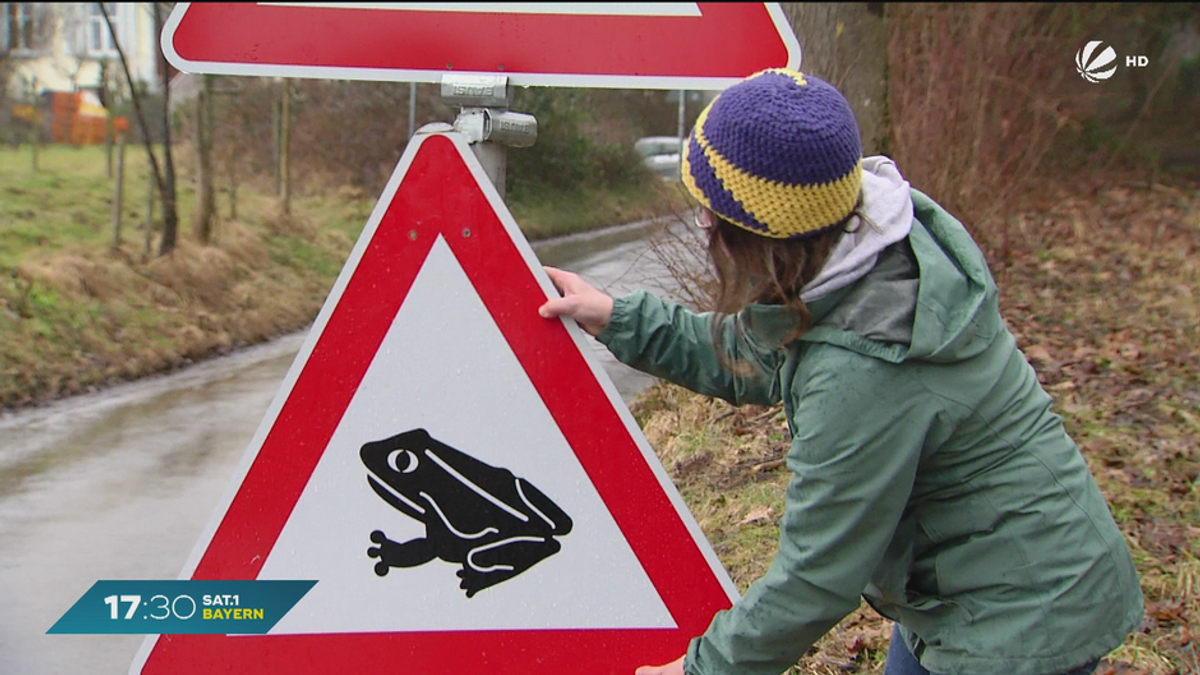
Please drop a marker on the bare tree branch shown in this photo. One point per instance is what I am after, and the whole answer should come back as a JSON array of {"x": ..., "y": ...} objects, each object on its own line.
[{"x": 137, "y": 104}]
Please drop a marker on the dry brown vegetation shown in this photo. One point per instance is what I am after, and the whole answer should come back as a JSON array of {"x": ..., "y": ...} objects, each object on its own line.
[
  {"x": 81, "y": 320},
  {"x": 77, "y": 313},
  {"x": 986, "y": 108}
]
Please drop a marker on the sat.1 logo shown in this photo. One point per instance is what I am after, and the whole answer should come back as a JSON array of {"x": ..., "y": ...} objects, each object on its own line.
[{"x": 1095, "y": 67}]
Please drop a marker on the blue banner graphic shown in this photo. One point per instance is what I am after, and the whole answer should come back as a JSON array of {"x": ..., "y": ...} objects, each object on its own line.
[{"x": 182, "y": 607}]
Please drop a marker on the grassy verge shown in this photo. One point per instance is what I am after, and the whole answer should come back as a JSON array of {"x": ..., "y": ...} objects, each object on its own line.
[
  {"x": 77, "y": 313},
  {"x": 1102, "y": 298}
]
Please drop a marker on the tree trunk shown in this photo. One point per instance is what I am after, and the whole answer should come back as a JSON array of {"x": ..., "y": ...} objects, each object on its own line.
[
  {"x": 151, "y": 190},
  {"x": 275, "y": 137},
  {"x": 285, "y": 134},
  {"x": 845, "y": 44},
  {"x": 35, "y": 136},
  {"x": 231, "y": 163},
  {"x": 108, "y": 145},
  {"x": 206, "y": 207},
  {"x": 170, "y": 209}
]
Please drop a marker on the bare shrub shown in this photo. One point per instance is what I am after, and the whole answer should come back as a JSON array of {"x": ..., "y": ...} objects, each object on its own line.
[
  {"x": 352, "y": 133},
  {"x": 977, "y": 96},
  {"x": 682, "y": 254}
]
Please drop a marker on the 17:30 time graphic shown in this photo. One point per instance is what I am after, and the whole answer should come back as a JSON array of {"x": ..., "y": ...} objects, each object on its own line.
[
  {"x": 214, "y": 606},
  {"x": 157, "y": 603}
]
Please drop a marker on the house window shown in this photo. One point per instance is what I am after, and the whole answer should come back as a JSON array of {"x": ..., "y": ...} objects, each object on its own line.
[
  {"x": 100, "y": 40},
  {"x": 22, "y": 29}
]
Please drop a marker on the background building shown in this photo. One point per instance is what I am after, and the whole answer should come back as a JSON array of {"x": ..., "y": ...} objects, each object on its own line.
[{"x": 66, "y": 47}]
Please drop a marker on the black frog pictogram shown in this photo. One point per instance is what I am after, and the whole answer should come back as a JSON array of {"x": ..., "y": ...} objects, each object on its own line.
[{"x": 495, "y": 524}]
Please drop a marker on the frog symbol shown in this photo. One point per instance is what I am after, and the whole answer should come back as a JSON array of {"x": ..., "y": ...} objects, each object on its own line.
[{"x": 495, "y": 524}]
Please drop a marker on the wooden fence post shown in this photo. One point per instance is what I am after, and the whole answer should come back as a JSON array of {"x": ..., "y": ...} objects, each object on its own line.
[
  {"x": 118, "y": 195},
  {"x": 151, "y": 186},
  {"x": 36, "y": 136}
]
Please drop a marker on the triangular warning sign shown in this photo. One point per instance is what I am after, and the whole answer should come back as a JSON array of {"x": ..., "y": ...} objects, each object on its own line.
[{"x": 457, "y": 473}]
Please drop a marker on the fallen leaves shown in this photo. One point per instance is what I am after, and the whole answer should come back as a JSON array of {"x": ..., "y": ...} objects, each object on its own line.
[
  {"x": 757, "y": 514},
  {"x": 1105, "y": 310}
]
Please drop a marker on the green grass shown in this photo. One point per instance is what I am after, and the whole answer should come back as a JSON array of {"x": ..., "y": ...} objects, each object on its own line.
[
  {"x": 74, "y": 313},
  {"x": 67, "y": 203}
]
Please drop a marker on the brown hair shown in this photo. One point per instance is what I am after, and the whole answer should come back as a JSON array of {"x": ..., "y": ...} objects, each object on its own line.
[{"x": 752, "y": 268}]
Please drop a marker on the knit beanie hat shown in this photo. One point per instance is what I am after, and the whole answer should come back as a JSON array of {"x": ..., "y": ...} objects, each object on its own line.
[{"x": 777, "y": 154}]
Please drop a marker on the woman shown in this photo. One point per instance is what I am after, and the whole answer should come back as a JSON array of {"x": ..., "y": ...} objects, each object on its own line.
[{"x": 929, "y": 475}]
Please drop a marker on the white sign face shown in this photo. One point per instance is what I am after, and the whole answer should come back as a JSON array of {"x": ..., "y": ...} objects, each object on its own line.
[{"x": 444, "y": 360}]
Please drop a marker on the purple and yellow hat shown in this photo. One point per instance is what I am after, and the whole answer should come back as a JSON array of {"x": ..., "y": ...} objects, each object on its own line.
[{"x": 777, "y": 154}]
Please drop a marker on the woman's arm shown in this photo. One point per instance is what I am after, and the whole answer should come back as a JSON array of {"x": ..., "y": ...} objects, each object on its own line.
[{"x": 668, "y": 340}]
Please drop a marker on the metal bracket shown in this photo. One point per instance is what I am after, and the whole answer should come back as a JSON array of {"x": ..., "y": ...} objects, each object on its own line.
[
  {"x": 503, "y": 127},
  {"x": 485, "y": 121},
  {"x": 475, "y": 91}
]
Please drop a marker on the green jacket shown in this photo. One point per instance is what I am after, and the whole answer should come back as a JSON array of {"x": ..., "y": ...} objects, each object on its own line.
[{"x": 929, "y": 474}]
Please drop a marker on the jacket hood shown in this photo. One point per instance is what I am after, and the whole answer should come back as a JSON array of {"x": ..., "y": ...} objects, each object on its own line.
[{"x": 957, "y": 310}]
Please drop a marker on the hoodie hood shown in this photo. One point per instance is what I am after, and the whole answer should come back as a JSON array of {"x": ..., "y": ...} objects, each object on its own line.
[
  {"x": 928, "y": 296},
  {"x": 887, "y": 210}
]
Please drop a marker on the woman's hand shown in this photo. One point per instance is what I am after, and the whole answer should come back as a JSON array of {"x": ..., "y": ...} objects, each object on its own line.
[
  {"x": 590, "y": 308},
  {"x": 673, "y": 668}
]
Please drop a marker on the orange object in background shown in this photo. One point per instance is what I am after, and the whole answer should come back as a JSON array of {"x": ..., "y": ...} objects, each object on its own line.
[
  {"x": 75, "y": 118},
  {"x": 24, "y": 111},
  {"x": 62, "y": 116},
  {"x": 80, "y": 119}
]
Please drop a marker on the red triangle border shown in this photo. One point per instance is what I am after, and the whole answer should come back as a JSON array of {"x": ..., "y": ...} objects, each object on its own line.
[{"x": 439, "y": 195}]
